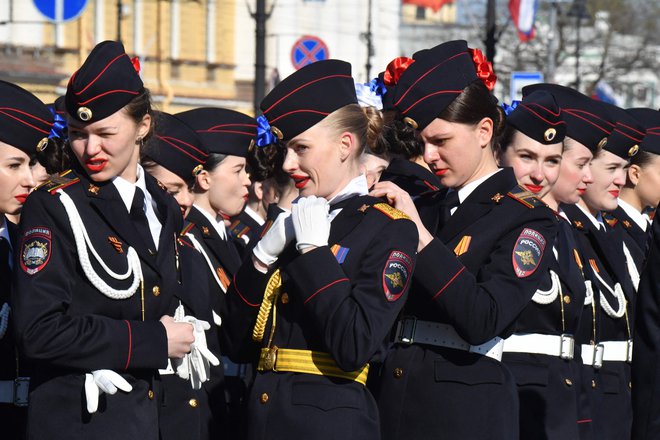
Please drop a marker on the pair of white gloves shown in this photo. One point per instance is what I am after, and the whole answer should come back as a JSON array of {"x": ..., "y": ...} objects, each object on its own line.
[
  {"x": 195, "y": 366},
  {"x": 308, "y": 222}
]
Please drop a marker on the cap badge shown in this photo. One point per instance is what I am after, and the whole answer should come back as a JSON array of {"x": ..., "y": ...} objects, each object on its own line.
[
  {"x": 633, "y": 150},
  {"x": 197, "y": 169},
  {"x": 84, "y": 114},
  {"x": 602, "y": 143},
  {"x": 41, "y": 146},
  {"x": 549, "y": 134},
  {"x": 411, "y": 122},
  {"x": 277, "y": 132}
]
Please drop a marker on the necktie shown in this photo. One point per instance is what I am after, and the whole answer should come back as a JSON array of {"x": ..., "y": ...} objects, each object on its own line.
[
  {"x": 450, "y": 202},
  {"x": 139, "y": 218}
]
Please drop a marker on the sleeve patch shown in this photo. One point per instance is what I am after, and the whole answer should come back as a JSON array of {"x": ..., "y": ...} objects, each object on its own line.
[
  {"x": 527, "y": 252},
  {"x": 36, "y": 249},
  {"x": 396, "y": 275}
]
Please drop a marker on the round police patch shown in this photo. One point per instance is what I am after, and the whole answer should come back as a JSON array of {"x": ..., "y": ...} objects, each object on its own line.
[
  {"x": 36, "y": 249},
  {"x": 527, "y": 252},
  {"x": 396, "y": 274}
]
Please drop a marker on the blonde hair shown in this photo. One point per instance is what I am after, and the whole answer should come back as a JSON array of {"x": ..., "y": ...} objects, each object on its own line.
[{"x": 365, "y": 122}]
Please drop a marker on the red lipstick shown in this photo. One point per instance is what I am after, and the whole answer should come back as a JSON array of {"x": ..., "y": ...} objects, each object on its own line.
[
  {"x": 615, "y": 193},
  {"x": 534, "y": 188},
  {"x": 299, "y": 181},
  {"x": 441, "y": 172},
  {"x": 96, "y": 165},
  {"x": 21, "y": 198}
]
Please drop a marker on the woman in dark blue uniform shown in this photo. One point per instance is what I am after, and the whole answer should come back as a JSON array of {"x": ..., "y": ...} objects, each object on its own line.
[
  {"x": 317, "y": 298},
  {"x": 25, "y": 125},
  {"x": 475, "y": 273},
  {"x": 605, "y": 335},
  {"x": 189, "y": 409},
  {"x": 642, "y": 189},
  {"x": 100, "y": 267},
  {"x": 220, "y": 191},
  {"x": 541, "y": 353}
]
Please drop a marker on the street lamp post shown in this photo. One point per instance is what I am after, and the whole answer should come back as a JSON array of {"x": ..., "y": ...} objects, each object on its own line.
[{"x": 579, "y": 11}]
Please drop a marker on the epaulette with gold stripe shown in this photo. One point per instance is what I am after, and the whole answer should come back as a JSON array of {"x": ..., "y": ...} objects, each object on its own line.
[
  {"x": 60, "y": 181},
  {"x": 527, "y": 198},
  {"x": 187, "y": 227},
  {"x": 389, "y": 211},
  {"x": 238, "y": 228}
]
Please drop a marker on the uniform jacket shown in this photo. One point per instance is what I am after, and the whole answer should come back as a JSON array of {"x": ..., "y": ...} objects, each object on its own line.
[
  {"x": 646, "y": 348},
  {"x": 69, "y": 328},
  {"x": 340, "y": 299},
  {"x": 481, "y": 293},
  {"x": 548, "y": 386},
  {"x": 609, "y": 394}
]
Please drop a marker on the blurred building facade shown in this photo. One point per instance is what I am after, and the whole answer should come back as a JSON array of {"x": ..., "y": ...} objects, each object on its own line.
[{"x": 185, "y": 47}]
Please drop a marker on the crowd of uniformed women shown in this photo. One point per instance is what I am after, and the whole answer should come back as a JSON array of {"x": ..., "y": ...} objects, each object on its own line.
[{"x": 403, "y": 259}]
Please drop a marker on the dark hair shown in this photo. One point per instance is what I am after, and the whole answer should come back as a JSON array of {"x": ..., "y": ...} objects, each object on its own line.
[
  {"x": 56, "y": 157},
  {"x": 472, "y": 105},
  {"x": 266, "y": 162},
  {"x": 642, "y": 158},
  {"x": 139, "y": 107},
  {"x": 214, "y": 160},
  {"x": 397, "y": 138}
]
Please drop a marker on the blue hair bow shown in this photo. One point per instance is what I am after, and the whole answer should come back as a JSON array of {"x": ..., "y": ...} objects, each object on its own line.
[
  {"x": 377, "y": 86},
  {"x": 509, "y": 108},
  {"x": 265, "y": 135},
  {"x": 58, "y": 129}
]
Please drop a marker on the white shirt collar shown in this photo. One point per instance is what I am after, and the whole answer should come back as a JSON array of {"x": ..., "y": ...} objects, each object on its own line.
[
  {"x": 597, "y": 221},
  {"x": 465, "y": 192},
  {"x": 634, "y": 214},
  {"x": 126, "y": 189},
  {"x": 218, "y": 225},
  {"x": 356, "y": 187},
  {"x": 4, "y": 231},
  {"x": 563, "y": 215},
  {"x": 252, "y": 213}
]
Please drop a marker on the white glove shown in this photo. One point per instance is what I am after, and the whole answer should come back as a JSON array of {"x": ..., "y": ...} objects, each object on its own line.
[
  {"x": 311, "y": 222},
  {"x": 275, "y": 240},
  {"x": 195, "y": 365},
  {"x": 106, "y": 381}
]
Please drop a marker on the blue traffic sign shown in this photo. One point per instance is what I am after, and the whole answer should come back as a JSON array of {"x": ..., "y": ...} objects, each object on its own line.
[
  {"x": 308, "y": 49},
  {"x": 60, "y": 10},
  {"x": 520, "y": 80}
]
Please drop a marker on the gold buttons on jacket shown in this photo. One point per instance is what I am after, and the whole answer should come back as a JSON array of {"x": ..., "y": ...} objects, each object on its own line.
[
  {"x": 630, "y": 385},
  {"x": 568, "y": 382},
  {"x": 567, "y": 299},
  {"x": 156, "y": 290},
  {"x": 263, "y": 398},
  {"x": 193, "y": 403},
  {"x": 150, "y": 395},
  {"x": 398, "y": 372},
  {"x": 593, "y": 383},
  {"x": 285, "y": 298}
]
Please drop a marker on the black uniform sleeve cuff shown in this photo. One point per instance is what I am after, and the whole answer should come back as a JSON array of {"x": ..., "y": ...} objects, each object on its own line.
[
  {"x": 249, "y": 283},
  {"x": 437, "y": 268},
  {"x": 305, "y": 272},
  {"x": 146, "y": 345}
]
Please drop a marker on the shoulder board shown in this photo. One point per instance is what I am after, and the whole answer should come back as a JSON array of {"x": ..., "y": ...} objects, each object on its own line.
[
  {"x": 238, "y": 228},
  {"x": 187, "y": 227},
  {"x": 64, "y": 179},
  {"x": 389, "y": 211},
  {"x": 525, "y": 197}
]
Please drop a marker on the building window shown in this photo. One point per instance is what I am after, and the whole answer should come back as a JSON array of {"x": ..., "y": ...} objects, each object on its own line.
[{"x": 420, "y": 14}]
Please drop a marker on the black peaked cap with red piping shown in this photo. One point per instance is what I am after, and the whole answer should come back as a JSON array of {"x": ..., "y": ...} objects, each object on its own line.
[
  {"x": 25, "y": 121},
  {"x": 222, "y": 131},
  {"x": 650, "y": 119},
  {"x": 307, "y": 96},
  {"x": 104, "y": 84},
  {"x": 539, "y": 116}
]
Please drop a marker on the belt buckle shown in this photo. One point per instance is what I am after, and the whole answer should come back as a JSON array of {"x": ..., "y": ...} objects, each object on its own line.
[
  {"x": 21, "y": 391},
  {"x": 270, "y": 358},
  {"x": 405, "y": 332},
  {"x": 567, "y": 346},
  {"x": 599, "y": 351},
  {"x": 629, "y": 350}
]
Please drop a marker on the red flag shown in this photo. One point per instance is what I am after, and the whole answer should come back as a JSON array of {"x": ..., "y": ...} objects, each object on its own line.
[{"x": 433, "y": 4}]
